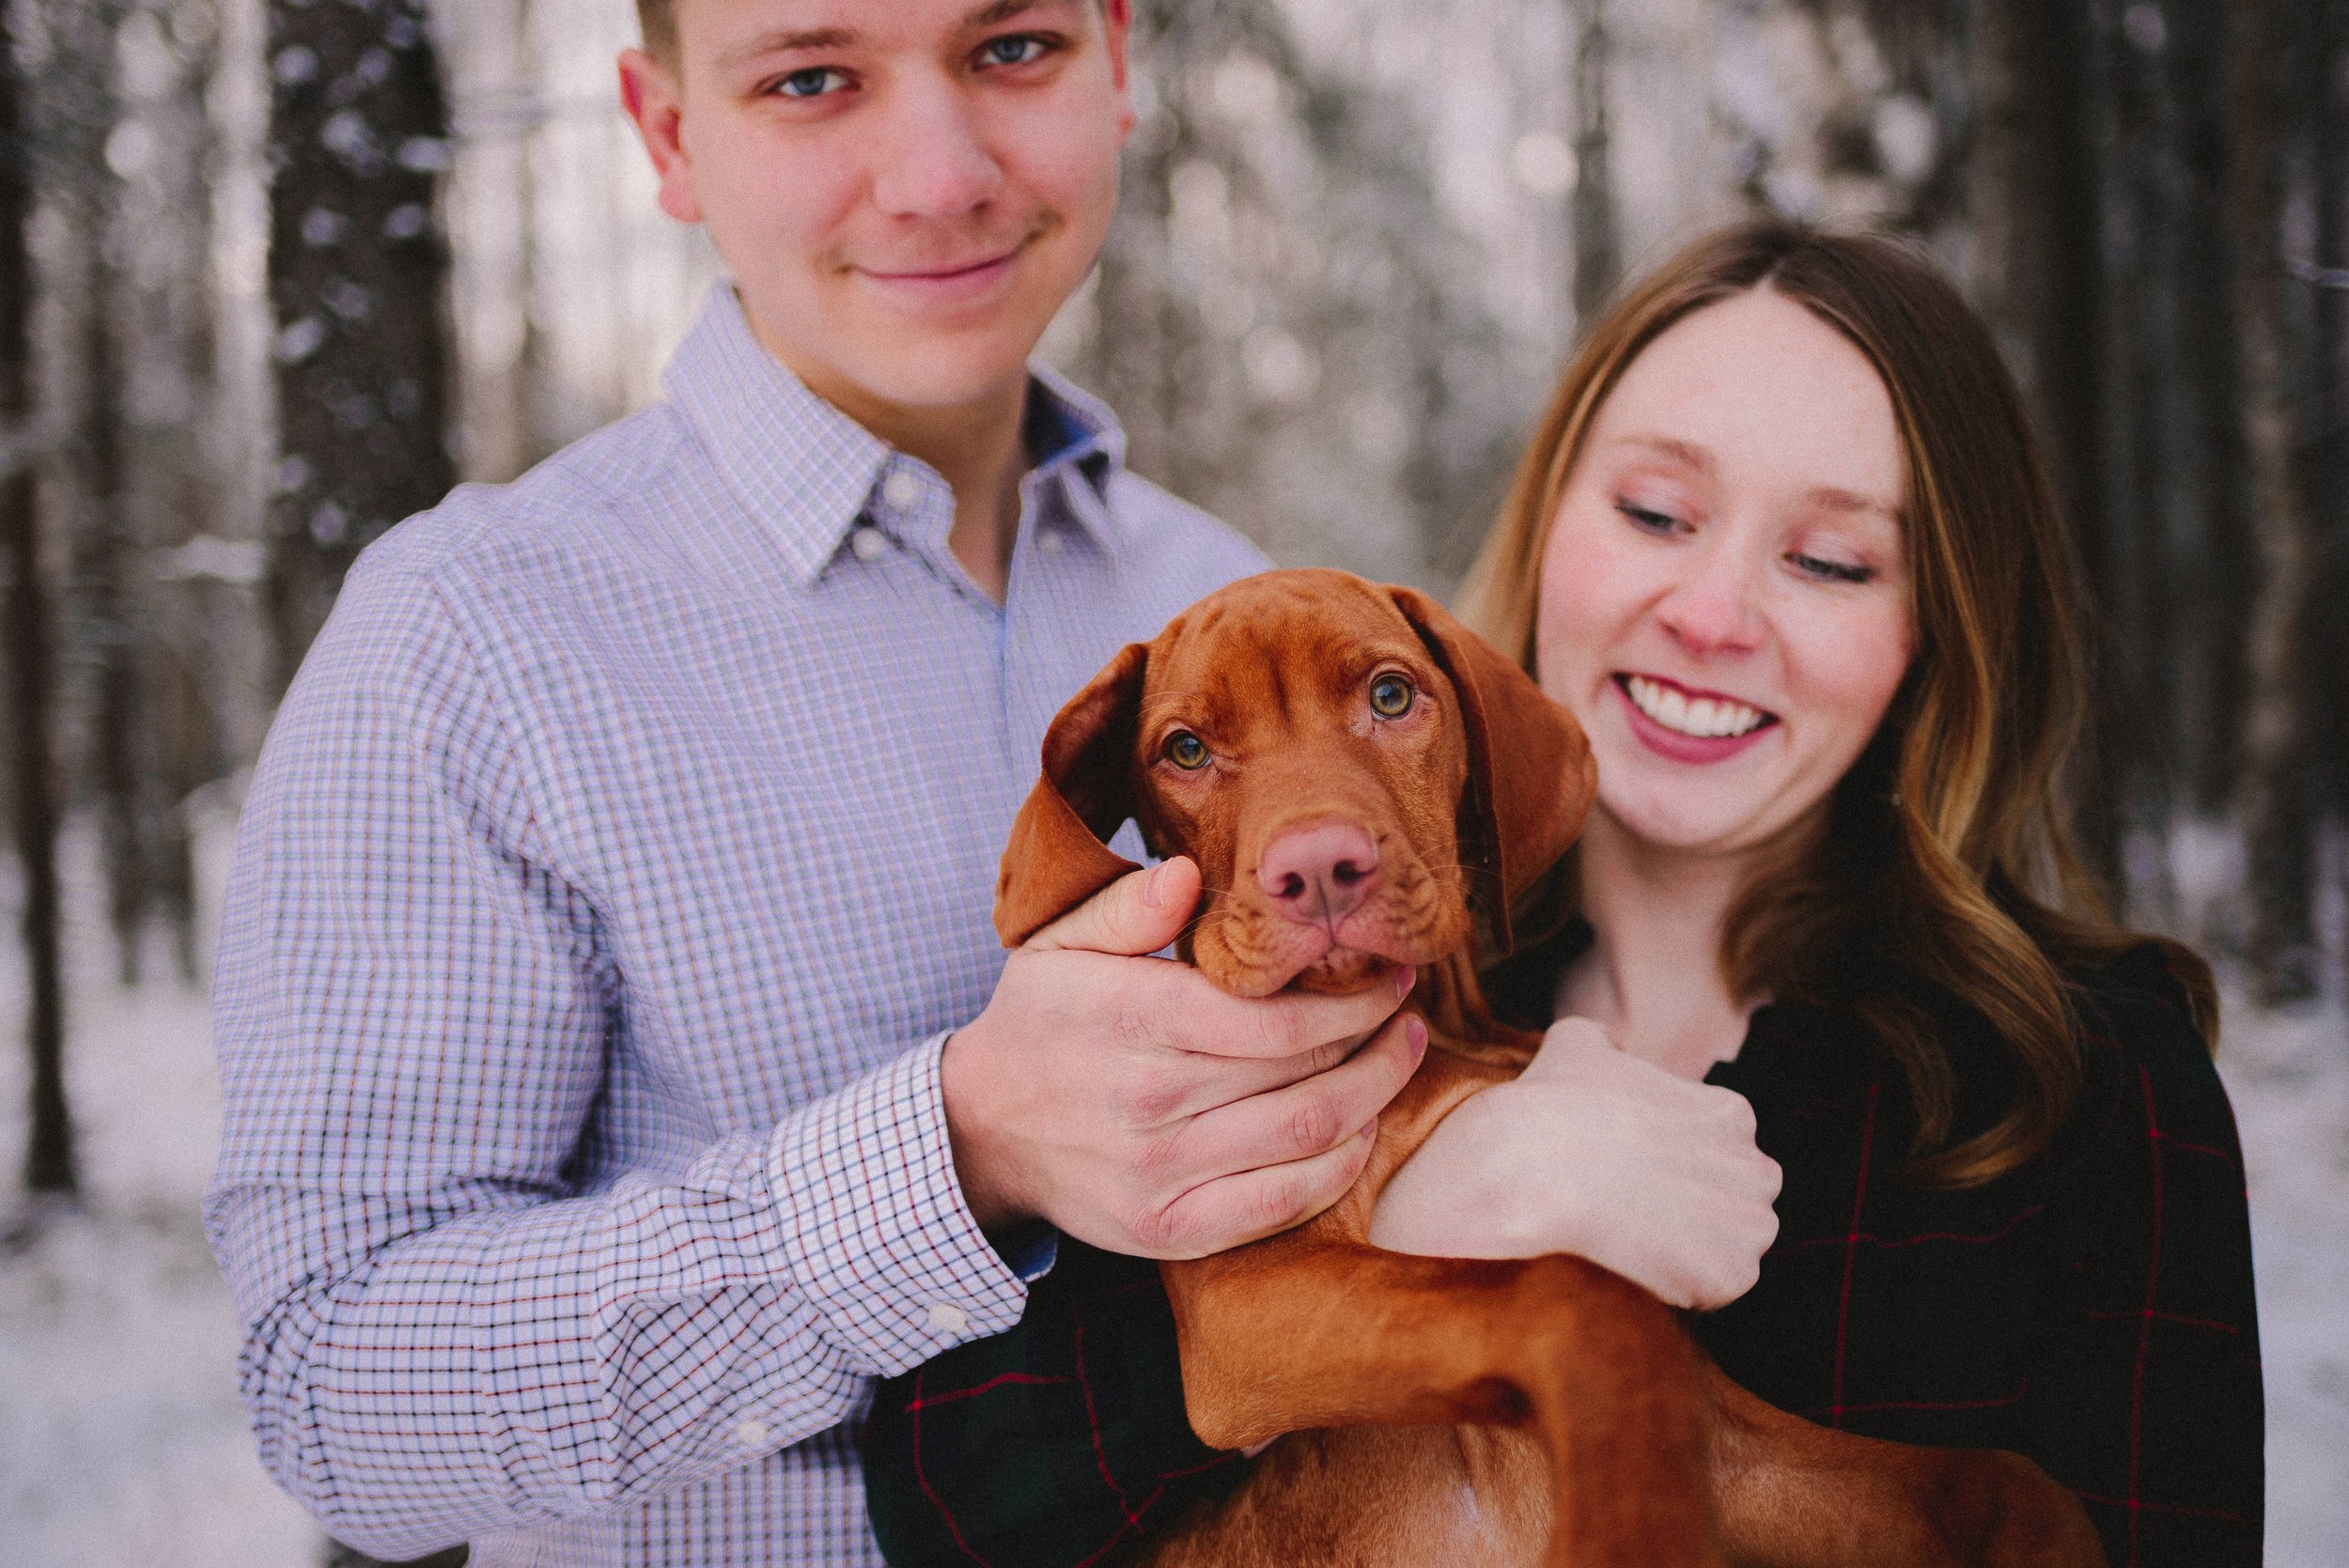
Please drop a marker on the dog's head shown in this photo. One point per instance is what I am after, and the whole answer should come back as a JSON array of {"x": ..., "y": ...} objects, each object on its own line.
[{"x": 1360, "y": 777}]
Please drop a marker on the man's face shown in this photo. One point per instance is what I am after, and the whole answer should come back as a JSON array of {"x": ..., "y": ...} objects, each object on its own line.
[{"x": 906, "y": 190}]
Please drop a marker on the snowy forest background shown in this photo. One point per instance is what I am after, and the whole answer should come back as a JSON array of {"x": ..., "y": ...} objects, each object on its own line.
[{"x": 273, "y": 273}]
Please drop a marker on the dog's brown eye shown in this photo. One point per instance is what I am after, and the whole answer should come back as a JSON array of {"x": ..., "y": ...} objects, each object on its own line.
[
  {"x": 1391, "y": 696},
  {"x": 1186, "y": 751}
]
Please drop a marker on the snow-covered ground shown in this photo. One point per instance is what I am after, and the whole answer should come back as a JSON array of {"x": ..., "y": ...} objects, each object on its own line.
[
  {"x": 2288, "y": 1076},
  {"x": 122, "y": 1444},
  {"x": 121, "y": 1441}
]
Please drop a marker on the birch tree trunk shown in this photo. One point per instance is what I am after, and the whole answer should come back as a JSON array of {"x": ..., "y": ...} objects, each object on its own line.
[
  {"x": 24, "y": 625},
  {"x": 358, "y": 136},
  {"x": 2277, "y": 819}
]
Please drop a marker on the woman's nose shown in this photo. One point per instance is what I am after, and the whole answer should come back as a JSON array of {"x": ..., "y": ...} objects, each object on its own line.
[{"x": 1714, "y": 609}]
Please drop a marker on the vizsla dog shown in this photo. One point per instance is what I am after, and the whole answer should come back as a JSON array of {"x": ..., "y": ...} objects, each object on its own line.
[{"x": 1366, "y": 784}]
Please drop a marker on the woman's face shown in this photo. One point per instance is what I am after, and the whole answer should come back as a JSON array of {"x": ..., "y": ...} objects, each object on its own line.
[{"x": 1724, "y": 596}]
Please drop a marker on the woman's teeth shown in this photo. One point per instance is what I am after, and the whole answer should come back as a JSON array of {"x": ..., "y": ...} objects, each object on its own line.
[{"x": 1707, "y": 717}]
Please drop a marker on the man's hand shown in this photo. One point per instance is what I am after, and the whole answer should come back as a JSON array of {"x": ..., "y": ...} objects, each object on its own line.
[
  {"x": 1597, "y": 1153},
  {"x": 1130, "y": 1103}
]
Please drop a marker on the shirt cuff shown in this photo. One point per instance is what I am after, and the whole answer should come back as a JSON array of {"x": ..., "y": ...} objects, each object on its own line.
[{"x": 874, "y": 1226}]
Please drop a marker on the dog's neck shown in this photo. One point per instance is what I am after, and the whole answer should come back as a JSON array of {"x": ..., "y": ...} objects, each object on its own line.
[{"x": 1451, "y": 999}]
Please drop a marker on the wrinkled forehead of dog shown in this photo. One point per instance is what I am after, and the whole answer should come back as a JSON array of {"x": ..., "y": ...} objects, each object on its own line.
[
  {"x": 1283, "y": 652},
  {"x": 1282, "y": 644}
]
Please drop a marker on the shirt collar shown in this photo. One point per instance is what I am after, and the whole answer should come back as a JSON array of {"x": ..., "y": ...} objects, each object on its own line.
[{"x": 807, "y": 473}]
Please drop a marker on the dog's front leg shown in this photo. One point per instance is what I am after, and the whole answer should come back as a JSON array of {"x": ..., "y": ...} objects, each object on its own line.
[
  {"x": 1792, "y": 1494},
  {"x": 1309, "y": 1330}
]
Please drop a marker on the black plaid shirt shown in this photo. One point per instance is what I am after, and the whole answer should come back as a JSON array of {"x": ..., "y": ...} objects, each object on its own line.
[{"x": 2091, "y": 1310}]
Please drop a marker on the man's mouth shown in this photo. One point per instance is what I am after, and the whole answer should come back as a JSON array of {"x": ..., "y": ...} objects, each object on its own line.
[
  {"x": 946, "y": 272},
  {"x": 954, "y": 278},
  {"x": 1699, "y": 715}
]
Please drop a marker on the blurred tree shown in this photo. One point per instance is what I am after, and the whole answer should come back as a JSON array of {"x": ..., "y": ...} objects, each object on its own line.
[
  {"x": 75, "y": 126},
  {"x": 2325, "y": 81},
  {"x": 1597, "y": 255},
  {"x": 1290, "y": 327},
  {"x": 24, "y": 634},
  {"x": 159, "y": 255},
  {"x": 2039, "y": 273},
  {"x": 2193, "y": 493},
  {"x": 2279, "y": 828},
  {"x": 358, "y": 135}
]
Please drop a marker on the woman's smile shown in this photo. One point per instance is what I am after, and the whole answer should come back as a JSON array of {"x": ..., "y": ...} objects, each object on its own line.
[{"x": 1688, "y": 724}]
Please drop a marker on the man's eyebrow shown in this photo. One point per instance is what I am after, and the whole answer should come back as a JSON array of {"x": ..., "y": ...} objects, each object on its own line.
[
  {"x": 786, "y": 40},
  {"x": 783, "y": 40},
  {"x": 1003, "y": 11}
]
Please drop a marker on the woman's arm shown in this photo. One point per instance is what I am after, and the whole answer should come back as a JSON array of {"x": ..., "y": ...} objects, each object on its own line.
[
  {"x": 1595, "y": 1152},
  {"x": 1066, "y": 1436},
  {"x": 2147, "y": 1394}
]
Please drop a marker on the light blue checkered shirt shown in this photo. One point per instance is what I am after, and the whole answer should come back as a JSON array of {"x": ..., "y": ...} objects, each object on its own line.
[{"x": 613, "y": 871}]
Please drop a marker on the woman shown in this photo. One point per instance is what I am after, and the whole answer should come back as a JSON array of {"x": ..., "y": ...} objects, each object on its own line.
[{"x": 1784, "y": 548}]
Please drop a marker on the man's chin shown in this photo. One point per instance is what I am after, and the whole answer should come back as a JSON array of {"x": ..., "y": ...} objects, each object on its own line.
[{"x": 885, "y": 362}]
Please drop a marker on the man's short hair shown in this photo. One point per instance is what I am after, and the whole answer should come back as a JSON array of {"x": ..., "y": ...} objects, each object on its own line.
[{"x": 657, "y": 21}]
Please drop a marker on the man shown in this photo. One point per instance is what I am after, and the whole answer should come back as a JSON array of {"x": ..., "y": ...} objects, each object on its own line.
[{"x": 620, "y": 1070}]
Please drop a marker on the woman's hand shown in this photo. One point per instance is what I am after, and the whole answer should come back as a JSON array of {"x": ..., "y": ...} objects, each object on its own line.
[{"x": 1602, "y": 1155}]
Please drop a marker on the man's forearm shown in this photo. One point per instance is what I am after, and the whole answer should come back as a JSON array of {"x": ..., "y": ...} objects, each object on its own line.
[{"x": 499, "y": 1358}]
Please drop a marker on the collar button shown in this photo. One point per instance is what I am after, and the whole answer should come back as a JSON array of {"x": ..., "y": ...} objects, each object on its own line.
[
  {"x": 902, "y": 490},
  {"x": 870, "y": 544}
]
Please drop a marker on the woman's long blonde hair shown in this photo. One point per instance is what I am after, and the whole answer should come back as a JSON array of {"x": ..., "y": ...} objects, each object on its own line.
[{"x": 1947, "y": 863}]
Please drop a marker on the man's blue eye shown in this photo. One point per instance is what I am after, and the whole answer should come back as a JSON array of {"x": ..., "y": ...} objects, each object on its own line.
[
  {"x": 1013, "y": 48},
  {"x": 811, "y": 83}
]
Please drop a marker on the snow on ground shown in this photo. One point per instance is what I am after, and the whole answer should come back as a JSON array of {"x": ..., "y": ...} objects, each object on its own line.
[
  {"x": 122, "y": 1444},
  {"x": 2288, "y": 1074}
]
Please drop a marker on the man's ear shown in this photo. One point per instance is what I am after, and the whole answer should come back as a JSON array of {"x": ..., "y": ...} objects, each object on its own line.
[
  {"x": 1117, "y": 31},
  {"x": 654, "y": 99},
  {"x": 1057, "y": 859},
  {"x": 1531, "y": 777}
]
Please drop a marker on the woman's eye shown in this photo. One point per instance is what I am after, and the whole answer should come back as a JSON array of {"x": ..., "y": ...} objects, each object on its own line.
[
  {"x": 814, "y": 81},
  {"x": 1831, "y": 571},
  {"x": 1391, "y": 696},
  {"x": 1647, "y": 519},
  {"x": 1013, "y": 48},
  {"x": 1186, "y": 751}
]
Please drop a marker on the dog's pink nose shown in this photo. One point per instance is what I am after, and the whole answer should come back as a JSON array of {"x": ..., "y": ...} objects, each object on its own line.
[{"x": 1321, "y": 874}]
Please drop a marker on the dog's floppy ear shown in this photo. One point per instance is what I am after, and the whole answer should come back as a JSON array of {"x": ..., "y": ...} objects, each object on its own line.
[
  {"x": 1530, "y": 778},
  {"x": 1056, "y": 858}
]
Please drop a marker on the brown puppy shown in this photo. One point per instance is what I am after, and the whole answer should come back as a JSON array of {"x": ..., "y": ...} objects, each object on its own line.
[{"x": 1366, "y": 784}]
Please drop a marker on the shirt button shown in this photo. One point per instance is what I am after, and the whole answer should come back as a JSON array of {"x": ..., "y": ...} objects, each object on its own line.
[
  {"x": 947, "y": 1318},
  {"x": 870, "y": 544},
  {"x": 901, "y": 490},
  {"x": 754, "y": 1433},
  {"x": 1051, "y": 542}
]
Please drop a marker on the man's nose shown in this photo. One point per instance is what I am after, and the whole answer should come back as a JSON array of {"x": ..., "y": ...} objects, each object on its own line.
[
  {"x": 1320, "y": 874},
  {"x": 934, "y": 161}
]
